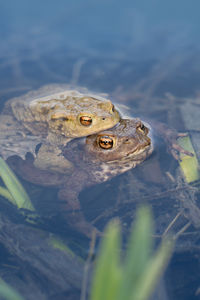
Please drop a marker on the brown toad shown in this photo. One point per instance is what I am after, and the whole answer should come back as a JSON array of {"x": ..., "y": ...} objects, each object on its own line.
[{"x": 96, "y": 159}]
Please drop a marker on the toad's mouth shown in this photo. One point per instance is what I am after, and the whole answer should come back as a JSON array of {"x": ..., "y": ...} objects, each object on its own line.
[
  {"x": 136, "y": 154},
  {"x": 138, "y": 151}
]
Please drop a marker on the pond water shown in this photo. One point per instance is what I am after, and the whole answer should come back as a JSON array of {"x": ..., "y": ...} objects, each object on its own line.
[{"x": 146, "y": 57}]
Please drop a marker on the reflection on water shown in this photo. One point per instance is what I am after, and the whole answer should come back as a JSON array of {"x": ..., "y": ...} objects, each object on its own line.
[{"x": 157, "y": 78}]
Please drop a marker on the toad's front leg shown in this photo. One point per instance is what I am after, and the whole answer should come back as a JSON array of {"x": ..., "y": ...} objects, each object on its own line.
[
  {"x": 68, "y": 195},
  {"x": 50, "y": 158}
]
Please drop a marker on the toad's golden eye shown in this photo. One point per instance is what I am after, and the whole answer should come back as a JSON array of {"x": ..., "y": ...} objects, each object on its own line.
[
  {"x": 113, "y": 108},
  {"x": 86, "y": 121},
  {"x": 106, "y": 142}
]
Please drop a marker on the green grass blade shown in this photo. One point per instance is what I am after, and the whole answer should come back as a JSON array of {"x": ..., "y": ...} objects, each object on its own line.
[
  {"x": 135, "y": 276},
  {"x": 58, "y": 244},
  {"x": 153, "y": 271},
  {"x": 8, "y": 293},
  {"x": 107, "y": 274},
  {"x": 6, "y": 194},
  {"x": 138, "y": 252},
  {"x": 15, "y": 188}
]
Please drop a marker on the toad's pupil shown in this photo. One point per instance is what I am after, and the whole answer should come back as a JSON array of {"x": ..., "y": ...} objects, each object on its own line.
[
  {"x": 106, "y": 142},
  {"x": 86, "y": 121}
]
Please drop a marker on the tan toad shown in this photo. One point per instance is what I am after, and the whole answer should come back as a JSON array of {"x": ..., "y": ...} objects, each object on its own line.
[{"x": 52, "y": 116}]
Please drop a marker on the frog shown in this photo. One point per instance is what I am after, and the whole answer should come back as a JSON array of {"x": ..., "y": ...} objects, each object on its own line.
[
  {"x": 52, "y": 116},
  {"x": 96, "y": 159}
]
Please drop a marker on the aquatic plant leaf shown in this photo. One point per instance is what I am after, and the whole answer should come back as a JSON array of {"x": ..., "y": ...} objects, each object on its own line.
[
  {"x": 138, "y": 253},
  {"x": 8, "y": 292},
  {"x": 133, "y": 277},
  {"x": 15, "y": 188},
  {"x": 153, "y": 271},
  {"x": 107, "y": 274},
  {"x": 6, "y": 194},
  {"x": 188, "y": 164},
  {"x": 58, "y": 244}
]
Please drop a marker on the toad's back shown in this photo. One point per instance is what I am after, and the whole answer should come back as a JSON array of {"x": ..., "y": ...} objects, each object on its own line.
[{"x": 67, "y": 112}]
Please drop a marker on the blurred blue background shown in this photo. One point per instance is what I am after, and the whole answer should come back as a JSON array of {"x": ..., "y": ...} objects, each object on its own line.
[
  {"x": 139, "y": 28},
  {"x": 58, "y": 35}
]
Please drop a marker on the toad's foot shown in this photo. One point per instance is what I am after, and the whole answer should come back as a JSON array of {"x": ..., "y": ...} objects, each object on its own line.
[
  {"x": 49, "y": 158},
  {"x": 77, "y": 221},
  {"x": 174, "y": 148},
  {"x": 170, "y": 136},
  {"x": 72, "y": 212}
]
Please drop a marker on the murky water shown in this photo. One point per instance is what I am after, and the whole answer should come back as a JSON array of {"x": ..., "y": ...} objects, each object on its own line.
[{"x": 145, "y": 58}]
